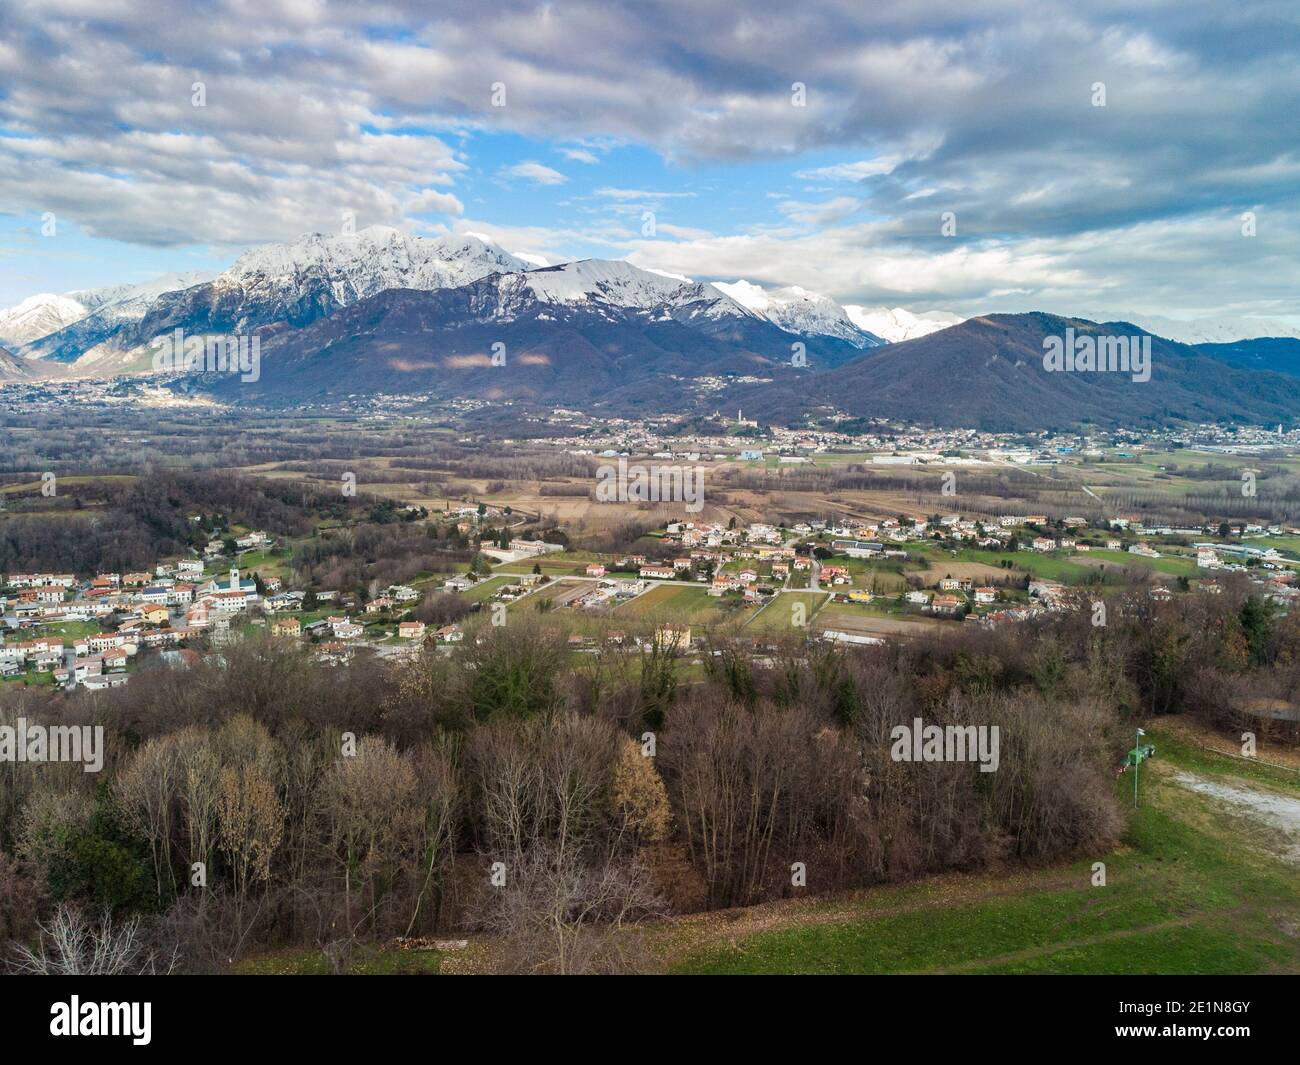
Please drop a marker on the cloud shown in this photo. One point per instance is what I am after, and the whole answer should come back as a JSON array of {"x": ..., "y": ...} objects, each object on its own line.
[
  {"x": 820, "y": 214},
  {"x": 534, "y": 172},
  {"x": 311, "y": 109},
  {"x": 434, "y": 202},
  {"x": 610, "y": 193}
]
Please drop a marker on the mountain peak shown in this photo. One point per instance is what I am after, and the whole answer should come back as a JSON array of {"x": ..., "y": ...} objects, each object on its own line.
[
  {"x": 38, "y": 316},
  {"x": 799, "y": 310}
]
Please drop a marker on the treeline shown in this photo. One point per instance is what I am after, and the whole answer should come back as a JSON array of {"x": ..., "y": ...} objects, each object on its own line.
[
  {"x": 129, "y": 523},
  {"x": 556, "y": 800},
  {"x": 353, "y": 557}
]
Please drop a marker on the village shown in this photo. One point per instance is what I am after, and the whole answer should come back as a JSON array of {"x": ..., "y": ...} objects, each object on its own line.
[{"x": 843, "y": 580}]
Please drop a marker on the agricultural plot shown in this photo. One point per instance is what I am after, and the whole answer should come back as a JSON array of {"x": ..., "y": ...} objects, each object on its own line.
[
  {"x": 1171, "y": 565},
  {"x": 872, "y": 619},
  {"x": 786, "y": 610},
  {"x": 679, "y": 602},
  {"x": 486, "y": 589}
]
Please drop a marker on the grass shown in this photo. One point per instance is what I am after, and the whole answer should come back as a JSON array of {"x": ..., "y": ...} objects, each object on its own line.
[
  {"x": 1174, "y": 566},
  {"x": 1052, "y": 567},
  {"x": 679, "y": 602},
  {"x": 779, "y": 614},
  {"x": 371, "y": 962},
  {"x": 274, "y": 563},
  {"x": 486, "y": 589},
  {"x": 1188, "y": 891},
  {"x": 551, "y": 567},
  {"x": 69, "y": 630}
]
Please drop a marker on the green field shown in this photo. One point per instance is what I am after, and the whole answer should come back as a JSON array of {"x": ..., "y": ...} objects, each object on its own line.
[
  {"x": 486, "y": 589},
  {"x": 69, "y": 630},
  {"x": 678, "y": 602},
  {"x": 551, "y": 566},
  {"x": 779, "y": 614},
  {"x": 265, "y": 563},
  {"x": 1193, "y": 888},
  {"x": 1174, "y": 566},
  {"x": 1051, "y": 567}
]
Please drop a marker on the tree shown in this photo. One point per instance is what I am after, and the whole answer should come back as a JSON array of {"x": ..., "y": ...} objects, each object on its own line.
[
  {"x": 145, "y": 792},
  {"x": 1257, "y": 623},
  {"x": 373, "y": 820},
  {"x": 560, "y": 914},
  {"x": 638, "y": 795},
  {"x": 71, "y": 945},
  {"x": 251, "y": 823}
]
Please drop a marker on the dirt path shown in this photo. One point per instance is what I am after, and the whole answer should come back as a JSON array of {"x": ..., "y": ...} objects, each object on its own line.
[{"x": 1279, "y": 812}]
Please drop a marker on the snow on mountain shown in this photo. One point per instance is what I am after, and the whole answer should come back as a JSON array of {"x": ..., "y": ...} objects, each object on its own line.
[
  {"x": 131, "y": 302},
  {"x": 38, "y": 316},
  {"x": 108, "y": 312},
  {"x": 296, "y": 283},
  {"x": 613, "y": 285},
  {"x": 354, "y": 266},
  {"x": 796, "y": 310},
  {"x": 897, "y": 324}
]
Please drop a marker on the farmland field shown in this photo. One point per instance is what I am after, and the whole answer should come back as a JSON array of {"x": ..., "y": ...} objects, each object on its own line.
[
  {"x": 678, "y": 602},
  {"x": 871, "y": 620},
  {"x": 779, "y": 614}
]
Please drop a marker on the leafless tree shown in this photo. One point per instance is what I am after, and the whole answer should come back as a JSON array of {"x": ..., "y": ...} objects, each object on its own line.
[{"x": 72, "y": 945}]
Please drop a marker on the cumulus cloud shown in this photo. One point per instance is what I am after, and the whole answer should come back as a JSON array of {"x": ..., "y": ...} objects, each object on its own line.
[{"x": 910, "y": 112}]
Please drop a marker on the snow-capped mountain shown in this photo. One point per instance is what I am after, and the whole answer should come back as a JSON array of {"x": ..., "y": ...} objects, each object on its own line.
[
  {"x": 293, "y": 283},
  {"x": 593, "y": 330},
  {"x": 796, "y": 310},
  {"x": 38, "y": 316},
  {"x": 898, "y": 324},
  {"x": 107, "y": 313},
  {"x": 351, "y": 267},
  {"x": 613, "y": 287}
]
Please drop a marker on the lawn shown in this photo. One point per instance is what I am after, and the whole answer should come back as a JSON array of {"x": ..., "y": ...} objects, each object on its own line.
[
  {"x": 1050, "y": 567},
  {"x": 69, "y": 630},
  {"x": 266, "y": 563},
  {"x": 550, "y": 566},
  {"x": 368, "y": 962}
]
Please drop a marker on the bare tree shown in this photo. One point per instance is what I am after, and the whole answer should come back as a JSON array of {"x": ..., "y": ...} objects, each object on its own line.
[
  {"x": 72, "y": 945},
  {"x": 559, "y": 914}
]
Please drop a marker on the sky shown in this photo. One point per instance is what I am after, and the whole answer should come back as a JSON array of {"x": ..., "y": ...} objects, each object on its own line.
[{"x": 1006, "y": 155}]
